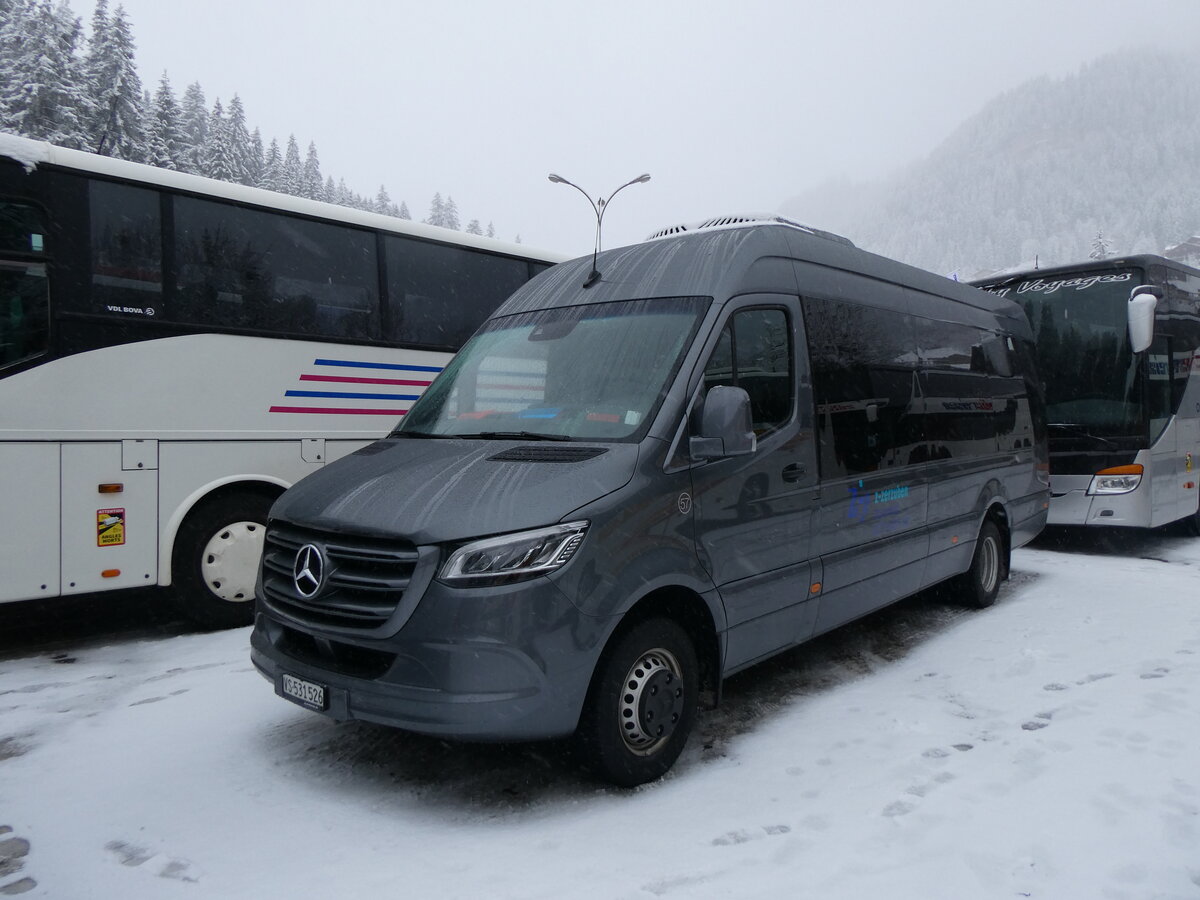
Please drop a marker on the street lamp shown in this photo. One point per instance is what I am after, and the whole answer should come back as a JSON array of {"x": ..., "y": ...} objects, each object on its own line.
[{"x": 598, "y": 207}]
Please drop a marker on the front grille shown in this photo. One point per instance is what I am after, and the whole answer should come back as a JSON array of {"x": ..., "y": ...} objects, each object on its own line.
[{"x": 364, "y": 578}]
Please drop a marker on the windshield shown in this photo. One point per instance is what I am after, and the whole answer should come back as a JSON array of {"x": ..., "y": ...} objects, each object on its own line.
[
  {"x": 595, "y": 372},
  {"x": 1081, "y": 337}
]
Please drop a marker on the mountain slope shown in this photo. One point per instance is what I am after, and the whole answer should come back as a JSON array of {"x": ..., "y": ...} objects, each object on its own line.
[{"x": 1039, "y": 172}]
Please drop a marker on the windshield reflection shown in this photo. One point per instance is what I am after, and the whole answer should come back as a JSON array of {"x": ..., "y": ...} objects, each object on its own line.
[{"x": 594, "y": 372}]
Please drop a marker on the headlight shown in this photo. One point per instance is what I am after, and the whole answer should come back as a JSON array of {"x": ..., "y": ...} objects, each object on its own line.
[
  {"x": 513, "y": 557},
  {"x": 1117, "y": 480}
]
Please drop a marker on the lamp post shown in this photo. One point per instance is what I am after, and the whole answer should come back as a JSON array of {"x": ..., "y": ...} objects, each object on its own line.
[{"x": 598, "y": 207}]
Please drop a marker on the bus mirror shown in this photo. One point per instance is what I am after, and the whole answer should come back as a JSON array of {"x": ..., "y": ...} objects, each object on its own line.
[
  {"x": 1142, "y": 302},
  {"x": 725, "y": 425}
]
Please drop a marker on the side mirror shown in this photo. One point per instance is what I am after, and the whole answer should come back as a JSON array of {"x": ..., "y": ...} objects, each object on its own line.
[
  {"x": 725, "y": 425},
  {"x": 1142, "y": 301}
]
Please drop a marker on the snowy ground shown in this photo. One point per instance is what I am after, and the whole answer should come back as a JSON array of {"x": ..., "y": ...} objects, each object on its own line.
[{"x": 1047, "y": 747}]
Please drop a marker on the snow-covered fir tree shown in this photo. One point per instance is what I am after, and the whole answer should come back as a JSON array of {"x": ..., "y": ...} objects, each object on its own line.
[
  {"x": 450, "y": 214},
  {"x": 491, "y": 232},
  {"x": 292, "y": 181},
  {"x": 312, "y": 185},
  {"x": 239, "y": 143},
  {"x": 220, "y": 158},
  {"x": 115, "y": 126},
  {"x": 272, "y": 169},
  {"x": 404, "y": 213},
  {"x": 41, "y": 82},
  {"x": 473, "y": 227},
  {"x": 165, "y": 144},
  {"x": 193, "y": 112},
  {"x": 1100, "y": 247},
  {"x": 254, "y": 165},
  {"x": 437, "y": 212}
]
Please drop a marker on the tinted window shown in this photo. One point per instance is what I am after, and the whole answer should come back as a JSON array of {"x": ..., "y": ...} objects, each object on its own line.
[
  {"x": 962, "y": 408},
  {"x": 126, "y": 250},
  {"x": 24, "y": 313},
  {"x": 754, "y": 353},
  {"x": 865, "y": 386},
  {"x": 22, "y": 229},
  {"x": 439, "y": 295},
  {"x": 246, "y": 268}
]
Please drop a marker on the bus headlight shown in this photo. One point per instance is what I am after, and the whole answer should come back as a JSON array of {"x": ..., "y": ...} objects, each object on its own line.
[
  {"x": 513, "y": 557},
  {"x": 1117, "y": 480}
]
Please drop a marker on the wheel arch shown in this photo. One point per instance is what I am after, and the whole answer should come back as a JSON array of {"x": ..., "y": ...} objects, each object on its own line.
[
  {"x": 268, "y": 486},
  {"x": 689, "y": 610}
]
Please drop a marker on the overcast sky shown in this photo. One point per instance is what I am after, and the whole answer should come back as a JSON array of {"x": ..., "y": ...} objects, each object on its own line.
[{"x": 731, "y": 107}]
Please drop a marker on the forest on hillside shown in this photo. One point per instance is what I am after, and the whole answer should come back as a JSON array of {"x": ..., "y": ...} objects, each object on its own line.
[
  {"x": 83, "y": 91},
  {"x": 1057, "y": 170}
]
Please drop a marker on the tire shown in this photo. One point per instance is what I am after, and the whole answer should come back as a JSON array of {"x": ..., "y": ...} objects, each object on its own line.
[
  {"x": 642, "y": 704},
  {"x": 216, "y": 559},
  {"x": 978, "y": 586}
]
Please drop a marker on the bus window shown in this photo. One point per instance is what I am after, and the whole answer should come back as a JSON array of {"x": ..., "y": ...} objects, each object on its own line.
[
  {"x": 24, "y": 313},
  {"x": 246, "y": 268},
  {"x": 438, "y": 295},
  {"x": 21, "y": 228},
  {"x": 126, "y": 250}
]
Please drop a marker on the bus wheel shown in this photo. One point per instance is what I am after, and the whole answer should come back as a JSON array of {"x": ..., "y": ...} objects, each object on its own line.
[
  {"x": 979, "y": 585},
  {"x": 642, "y": 704},
  {"x": 217, "y": 552}
]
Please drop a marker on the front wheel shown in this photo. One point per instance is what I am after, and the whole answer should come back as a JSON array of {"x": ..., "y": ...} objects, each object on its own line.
[
  {"x": 642, "y": 704},
  {"x": 217, "y": 553},
  {"x": 979, "y": 585}
]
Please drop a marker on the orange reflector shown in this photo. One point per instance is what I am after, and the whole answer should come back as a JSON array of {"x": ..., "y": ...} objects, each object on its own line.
[
  {"x": 111, "y": 488},
  {"x": 110, "y": 573},
  {"x": 954, "y": 540},
  {"x": 815, "y": 588},
  {"x": 1121, "y": 470},
  {"x": 1188, "y": 485}
]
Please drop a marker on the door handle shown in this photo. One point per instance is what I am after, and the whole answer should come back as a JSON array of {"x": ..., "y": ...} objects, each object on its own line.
[{"x": 794, "y": 472}]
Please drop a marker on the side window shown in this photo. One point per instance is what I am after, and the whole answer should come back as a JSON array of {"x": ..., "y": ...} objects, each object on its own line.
[
  {"x": 966, "y": 402},
  {"x": 865, "y": 385},
  {"x": 126, "y": 250},
  {"x": 247, "y": 268},
  {"x": 1158, "y": 395},
  {"x": 438, "y": 295},
  {"x": 754, "y": 352},
  {"x": 24, "y": 311}
]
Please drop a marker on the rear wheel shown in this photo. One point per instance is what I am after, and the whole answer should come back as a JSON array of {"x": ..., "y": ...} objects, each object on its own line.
[
  {"x": 217, "y": 553},
  {"x": 642, "y": 704},
  {"x": 979, "y": 585}
]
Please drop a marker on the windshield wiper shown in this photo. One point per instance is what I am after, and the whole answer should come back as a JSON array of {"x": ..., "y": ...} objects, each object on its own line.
[
  {"x": 414, "y": 434},
  {"x": 516, "y": 435},
  {"x": 1082, "y": 430}
]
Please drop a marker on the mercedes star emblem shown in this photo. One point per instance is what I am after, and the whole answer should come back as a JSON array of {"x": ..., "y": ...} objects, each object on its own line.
[{"x": 308, "y": 572}]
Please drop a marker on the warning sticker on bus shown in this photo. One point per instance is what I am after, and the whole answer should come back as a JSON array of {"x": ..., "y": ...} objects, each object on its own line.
[{"x": 110, "y": 527}]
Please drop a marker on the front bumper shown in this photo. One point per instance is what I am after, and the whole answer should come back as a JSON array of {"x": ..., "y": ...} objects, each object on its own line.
[{"x": 507, "y": 663}]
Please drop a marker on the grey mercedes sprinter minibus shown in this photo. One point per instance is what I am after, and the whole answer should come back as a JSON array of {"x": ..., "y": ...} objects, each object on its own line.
[{"x": 648, "y": 471}]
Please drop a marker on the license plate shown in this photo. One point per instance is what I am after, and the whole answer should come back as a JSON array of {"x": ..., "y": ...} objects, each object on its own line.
[{"x": 306, "y": 693}]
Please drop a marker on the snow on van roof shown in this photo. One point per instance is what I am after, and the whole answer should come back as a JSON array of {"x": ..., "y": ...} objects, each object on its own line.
[{"x": 742, "y": 221}]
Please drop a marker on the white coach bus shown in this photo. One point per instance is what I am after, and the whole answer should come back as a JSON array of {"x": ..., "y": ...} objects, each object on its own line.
[{"x": 176, "y": 351}]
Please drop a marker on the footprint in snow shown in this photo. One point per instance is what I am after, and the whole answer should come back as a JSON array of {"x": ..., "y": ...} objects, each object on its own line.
[
  {"x": 158, "y": 864},
  {"x": 1157, "y": 673},
  {"x": 729, "y": 838},
  {"x": 13, "y": 851}
]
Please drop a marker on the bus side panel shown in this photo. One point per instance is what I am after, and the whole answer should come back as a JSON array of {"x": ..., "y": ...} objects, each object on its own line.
[
  {"x": 191, "y": 470},
  {"x": 29, "y": 548},
  {"x": 108, "y": 539}
]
